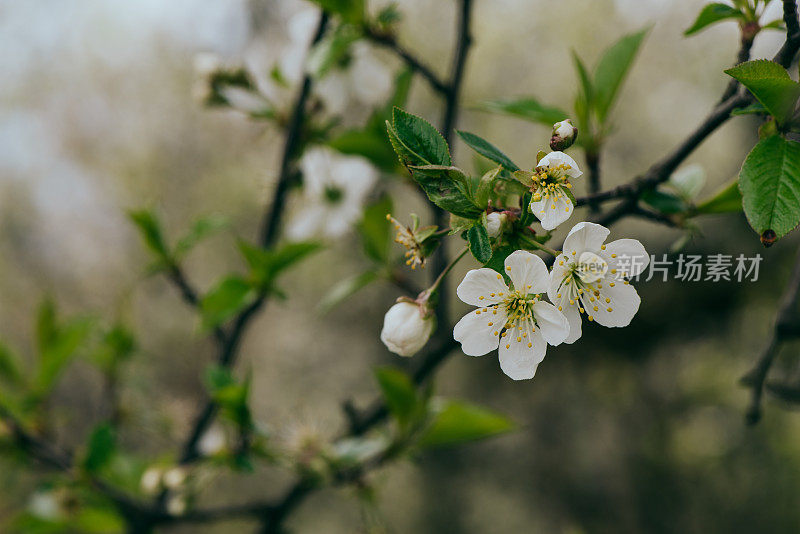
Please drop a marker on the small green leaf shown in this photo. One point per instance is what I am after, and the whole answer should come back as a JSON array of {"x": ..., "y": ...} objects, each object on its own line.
[
  {"x": 367, "y": 144},
  {"x": 756, "y": 108},
  {"x": 612, "y": 70},
  {"x": 225, "y": 300},
  {"x": 488, "y": 150},
  {"x": 150, "y": 230},
  {"x": 116, "y": 346},
  {"x": 101, "y": 447},
  {"x": 351, "y": 11},
  {"x": 345, "y": 289},
  {"x": 485, "y": 185},
  {"x": 9, "y": 366},
  {"x": 449, "y": 188},
  {"x": 266, "y": 265},
  {"x": 398, "y": 392},
  {"x": 58, "y": 350},
  {"x": 771, "y": 85},
  {"x": 712, "y": 13},
  {"x": 770, "y": 185},
  {"x": 726, "y": 200},
  {"x": 479, "y": 243},
  {"x": 376, "y": 230},
  {"x": 230, "y": 395},
  {"x": 460, "y": 422},
  {"x": 421, "y": 143},
  {"x": 664, "y": 202},
  {"x": 528, "y": 109},
  {"x": 203, "y": 228}
]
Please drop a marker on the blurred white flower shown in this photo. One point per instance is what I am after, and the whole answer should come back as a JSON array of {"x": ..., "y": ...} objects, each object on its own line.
[
  {"x": 406, "y": 328},
  {"x": 177, "y": 504},
  {"x": 365, "y": 78},
  {"x": 517, "y": 316},
  {"x": 47, "y": 505},
  {"x": 590, "y": 278},
  {"x": 175, "y": 477},
  {"x": 213, "y": 442},
  {"x": 334, "y": 190},
  {"x": 151, "y": 480},
  {"x": 549, "y": 184},
  {"x": 688, "y": 181}
]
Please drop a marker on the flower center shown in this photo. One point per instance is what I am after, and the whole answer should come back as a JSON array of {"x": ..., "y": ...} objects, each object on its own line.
[
  {"x": 550, "y": 181},
  {"x": 333, "y": 194},
  {"x": 591, "y": 267},
  {"x": 519, "y": 307}
]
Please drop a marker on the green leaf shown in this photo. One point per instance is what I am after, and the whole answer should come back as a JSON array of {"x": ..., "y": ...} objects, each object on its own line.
[
  {"x": 756, "y": 108},
  {"x": 345, "y": 289},
  {"x": 486, "y": 149},
  {"x": 266, "y": 265},
  {"x": 584, "y": 102},
  {"x": 102, "y": 444},
  {"x": 368, "y": 144},
  {"x": 611, "y": 71},
  {"x": 230, "y": 394},
  {"x": 376, "y": 230},
  {"x": 479, "y": 243},
  {"x": 225, "y": 300},
  {"x": 460, "y": 422},
  {"x": 351, "y": 11},
  {"x": 770, "y": 84},
  {"x": 420, "y": 142},
  {"x": 9, "y": 366},
  {"x": 116, "y": 346},
  {"x": 726, "y": 200},
  {"x": 664, "y": 202},
  {"x": 150, "y": 230},
  {"x": 203, "y": 228},
  {"x": 713, "y": 13},
  {"x": 484, "y": 188},
  {"x": 770, "y": 185},
  {"x": 57, "y": 349},
  {"x": 46, "y": 328},
  {"x": 528, "y": 109},
  {"x": 448, "y": 188},
  {"x": 398, "y": 392}
]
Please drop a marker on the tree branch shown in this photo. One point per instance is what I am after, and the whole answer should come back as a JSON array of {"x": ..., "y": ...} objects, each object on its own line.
[{"x": 781, "y": 331}]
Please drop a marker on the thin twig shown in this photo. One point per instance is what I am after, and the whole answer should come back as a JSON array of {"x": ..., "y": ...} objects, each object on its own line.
[{"x": 781, "y": 331}]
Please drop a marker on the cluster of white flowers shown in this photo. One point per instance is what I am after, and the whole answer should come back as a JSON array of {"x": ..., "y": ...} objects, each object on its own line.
[{"x": 589, "y": 278}]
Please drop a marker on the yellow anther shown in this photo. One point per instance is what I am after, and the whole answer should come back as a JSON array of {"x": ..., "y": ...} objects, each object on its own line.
[
  {"x": 496, "y": 332},
  {"x": 590, "y": 318},
  {"x": 610, "y": 309},
  {"x": 608, "y": 300},
  {"x": 559, "y": 308},
  {"x": 508, "y": 346},
  {"x": 480, "y": 298},
  {"x": 561, "y": 262},
  {"x": 613, "y": 271},
  {"x": 594, "y": 308},
  {"x": 613, "y": 255},
  {"x": 519, "y": 339},
  {"x": 602, "y": 247},
  {"x": 611, "y": 284},
  {"x": 530, "y": 345}
]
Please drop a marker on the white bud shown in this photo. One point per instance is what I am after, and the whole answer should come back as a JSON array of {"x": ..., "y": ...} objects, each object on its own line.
[
  {"x": 151, "y": 480},
  {"x": 175, "y": 477},
  {"x": 564, "y": 134},
  {"x": 213, "y": 442},
  {"x": 494, "y": 223},
  {"x": 405, "y": 330},
  {"x": 176, "y": 505},
  {"x": 46, "y": 505}
]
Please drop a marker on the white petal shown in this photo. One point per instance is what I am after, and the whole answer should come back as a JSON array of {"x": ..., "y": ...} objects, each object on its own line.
[
  {"x": 475, "y": 334},
  {"x": 478, "y": 286},
  {"x": 557, "y": 275},
  {"x": 316, "y": 165},
  {"x": 306, "y": 223},
  {"x": 573, "y": 316},
  {"x": 354, "y": 174},
  {"x": 552, "y": 212},
  {"x": 527, "y": 271},
  {"x": 554, "y": 159},
  {"x": 585, "y": 236},
  {"x": 627, "y": 256},
  {"x": 624, "y": 303},
  {"x": 521, "y": 351},
  {"x": 552, "y": 323}
]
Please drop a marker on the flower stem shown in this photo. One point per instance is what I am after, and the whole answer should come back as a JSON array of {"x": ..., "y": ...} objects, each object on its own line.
[
  {"x": 444, "y": 273},
  {"x": 540, "y": 246}
]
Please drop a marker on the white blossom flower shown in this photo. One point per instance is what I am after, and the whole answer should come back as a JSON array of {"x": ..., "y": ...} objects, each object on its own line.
[
  {"x": 514, "y": 319},
  {"x": 177, "y": 504},
  {"x": 365, "y": 78},
  {"x": 406, "y": 328},
  {"x": 549, "y": 184},
  {"x": 335, "y": 187},
  {"x": 175, "y": 477},
  {"x": 590, "y": 277},
  {"x": 47, "y": 505}
]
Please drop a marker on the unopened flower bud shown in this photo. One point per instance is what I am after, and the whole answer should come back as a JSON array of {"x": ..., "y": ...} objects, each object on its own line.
[
  {"x": 175, "y": 477},
  {"x": 494, "y": 223},
  {"x": 151, "y": 480},
  {"x": 406, "y": 328},
  {"x": 564, "y": 134},
  {"x": 176, "y": 505}
]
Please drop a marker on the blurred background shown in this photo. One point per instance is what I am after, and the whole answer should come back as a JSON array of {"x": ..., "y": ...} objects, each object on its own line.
[{"x": 632, "y": 430}]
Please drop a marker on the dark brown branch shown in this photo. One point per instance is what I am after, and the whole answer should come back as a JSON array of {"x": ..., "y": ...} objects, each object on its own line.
[
  {"x": 389, "y": 41},
  {"x": 269, "y": 234},
  {"x": 593, "y": 166},
  {"x": 781, "y": 331}
]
